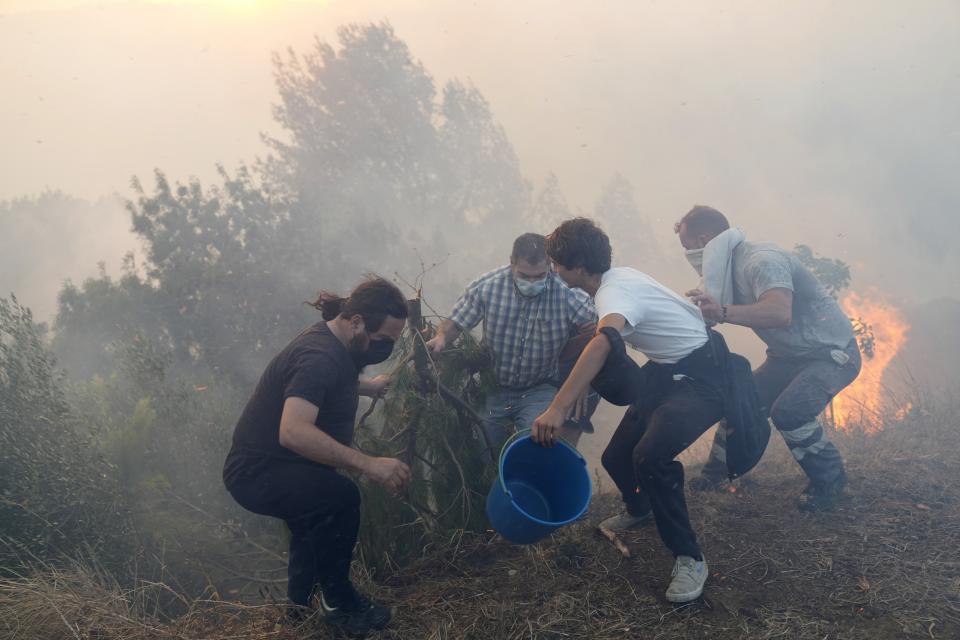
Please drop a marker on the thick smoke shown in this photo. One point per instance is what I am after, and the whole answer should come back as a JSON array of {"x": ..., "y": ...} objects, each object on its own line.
[{"x": 829, "y": 125}]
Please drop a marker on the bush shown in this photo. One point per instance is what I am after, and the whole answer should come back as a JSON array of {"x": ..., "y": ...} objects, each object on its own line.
[
  {"x": 441, "y": 444},
  {"x": 58, "y": 496}
]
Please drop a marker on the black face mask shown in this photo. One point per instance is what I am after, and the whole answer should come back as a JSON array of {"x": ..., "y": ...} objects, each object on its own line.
[{"x": 377, "y": 351}]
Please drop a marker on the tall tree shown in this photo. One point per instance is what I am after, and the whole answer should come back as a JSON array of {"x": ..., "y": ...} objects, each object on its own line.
[
  {"x": 369, "y": 154},
  {"x": 93, "y": 317},
  {"x": 549, "y": 207},
  {"x": 630, "y": 232},
  {"x": 484, "y": 186},
  {"x": 230, "y": 267},
  {"x": 225, "y": 275}
]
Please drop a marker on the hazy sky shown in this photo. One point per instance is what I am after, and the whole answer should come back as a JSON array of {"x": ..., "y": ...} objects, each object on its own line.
[{"x": 835, "y": 124}]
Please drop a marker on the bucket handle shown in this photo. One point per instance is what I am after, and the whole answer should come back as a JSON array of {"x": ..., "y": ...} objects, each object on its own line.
[{"x": 513, "y": 438}]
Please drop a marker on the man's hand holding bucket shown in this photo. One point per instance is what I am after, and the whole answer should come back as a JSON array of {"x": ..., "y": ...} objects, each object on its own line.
[{"x": 546, "y": 426}]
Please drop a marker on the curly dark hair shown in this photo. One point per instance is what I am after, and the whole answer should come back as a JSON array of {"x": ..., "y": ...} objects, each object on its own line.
[
  {"x": 374, "y": 300},
  {"x": 579, "y": 242}
]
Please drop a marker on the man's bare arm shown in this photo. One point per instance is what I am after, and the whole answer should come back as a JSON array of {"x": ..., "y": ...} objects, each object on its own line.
[
  {"x": 447, "y": 333},
  {"x": 299, "y": 434},
  {"x": 773, "y": 310},
  {"x": 584, "y": 371},
  {"x": 374, "y": 387}
]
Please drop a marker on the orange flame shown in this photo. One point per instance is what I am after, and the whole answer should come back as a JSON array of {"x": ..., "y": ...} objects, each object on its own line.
[{"x": 866, "y": 403}]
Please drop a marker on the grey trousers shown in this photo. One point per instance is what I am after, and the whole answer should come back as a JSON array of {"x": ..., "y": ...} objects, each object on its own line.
[{"x": 795, "y": 391}]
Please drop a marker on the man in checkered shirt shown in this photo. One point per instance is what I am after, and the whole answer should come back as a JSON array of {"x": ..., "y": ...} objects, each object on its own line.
[{"x": 528, "y": 315}]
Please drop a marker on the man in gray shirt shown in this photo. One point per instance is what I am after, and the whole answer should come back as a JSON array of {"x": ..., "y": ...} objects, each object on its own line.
[{"x": 812, "y": 353}]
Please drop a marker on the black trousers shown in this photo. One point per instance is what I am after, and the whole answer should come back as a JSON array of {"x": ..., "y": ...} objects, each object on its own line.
[
  {"x": 678, "y": 404},
  {"x": 795, "y": 392},
  {"x": 322, "y": 510}
]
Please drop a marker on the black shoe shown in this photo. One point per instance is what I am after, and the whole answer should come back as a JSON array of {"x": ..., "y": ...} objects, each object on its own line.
[
  {"x": 353, "y": 612},
  {"x": 822, "y": 497}
]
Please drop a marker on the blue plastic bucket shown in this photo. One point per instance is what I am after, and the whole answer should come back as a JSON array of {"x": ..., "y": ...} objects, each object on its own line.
[{"x": 537, "y": 489}]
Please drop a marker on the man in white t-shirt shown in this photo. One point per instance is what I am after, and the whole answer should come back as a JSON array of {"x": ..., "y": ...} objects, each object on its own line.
[{"x": 678, "y": 395}]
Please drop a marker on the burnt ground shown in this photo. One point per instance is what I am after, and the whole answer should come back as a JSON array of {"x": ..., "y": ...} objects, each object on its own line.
[{"x": 884, "y": 565}]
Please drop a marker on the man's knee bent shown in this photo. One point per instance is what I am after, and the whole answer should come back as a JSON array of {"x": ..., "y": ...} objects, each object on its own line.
[
  {"x": 645, "y": 461},
  {"x": 614, "y": 459},
  {"x": 787, "y": 418},
  {"x": 607, "y": 459}
]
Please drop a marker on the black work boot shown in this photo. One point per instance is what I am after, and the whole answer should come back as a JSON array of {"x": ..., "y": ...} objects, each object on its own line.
[
  {"x": 352, "y": 612},
  {"x": 819, "y": 497}
]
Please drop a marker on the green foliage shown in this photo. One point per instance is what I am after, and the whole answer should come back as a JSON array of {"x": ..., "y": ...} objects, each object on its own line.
[
  {"x": 57, "y": 494},
  {"x": 833, "y": 274},
  {"x": 375, "y": 161},
  {"x": 442, "y": 447},
  {"x": 222, "y": 290},
  {"x": 229, "y": 269},
  {"x": 94, "y": 317},
  {"x": 166, "y": 432},
  {"x": 154, "y": 424},
  {"x": 125, "y": 447}
]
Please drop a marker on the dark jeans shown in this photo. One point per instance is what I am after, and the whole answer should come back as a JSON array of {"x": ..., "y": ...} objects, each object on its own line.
[
  {"x": 322, "y": 510},
  {"x": 669, "y": 417},
  {"x": 795, "y": 391}
]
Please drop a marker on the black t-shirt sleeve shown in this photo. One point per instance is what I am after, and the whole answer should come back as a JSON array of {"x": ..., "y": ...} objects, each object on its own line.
[{"x": 313, "y": 374}]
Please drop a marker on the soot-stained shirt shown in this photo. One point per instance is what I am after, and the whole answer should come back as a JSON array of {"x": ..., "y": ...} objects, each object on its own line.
[
  {"x": 818, "y": 322},
  {"x": 315, "y": 366}
]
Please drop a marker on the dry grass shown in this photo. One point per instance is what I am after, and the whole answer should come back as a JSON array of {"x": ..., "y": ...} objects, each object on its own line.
[
  {"x": 885, "y": 565},
  {"x": 75, "y": 604}
]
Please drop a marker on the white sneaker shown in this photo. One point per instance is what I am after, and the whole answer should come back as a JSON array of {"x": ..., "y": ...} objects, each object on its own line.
[
  {"x": 625, "y": 521},
  {"x": 689, "y": 576}
]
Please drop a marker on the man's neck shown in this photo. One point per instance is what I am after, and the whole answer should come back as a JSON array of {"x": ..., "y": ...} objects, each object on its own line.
[
  {"x": 340, "y": 328},
  {"x": 592, "y": 283}
]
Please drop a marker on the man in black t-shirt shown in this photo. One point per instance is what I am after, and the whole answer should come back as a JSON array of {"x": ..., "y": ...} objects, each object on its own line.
[{"x": 296, "y": 432}]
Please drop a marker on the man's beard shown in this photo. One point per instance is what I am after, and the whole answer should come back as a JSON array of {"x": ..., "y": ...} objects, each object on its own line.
[{"x": 358, "y": 344}]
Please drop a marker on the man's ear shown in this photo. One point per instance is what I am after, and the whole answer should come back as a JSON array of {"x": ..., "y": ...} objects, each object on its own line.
[{"x": 357, "y": 323}]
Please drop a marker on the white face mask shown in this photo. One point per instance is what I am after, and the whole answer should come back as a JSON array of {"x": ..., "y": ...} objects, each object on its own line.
[
  {"x": 695, "y": 258},
  {"x": 530, "y": 289}
]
